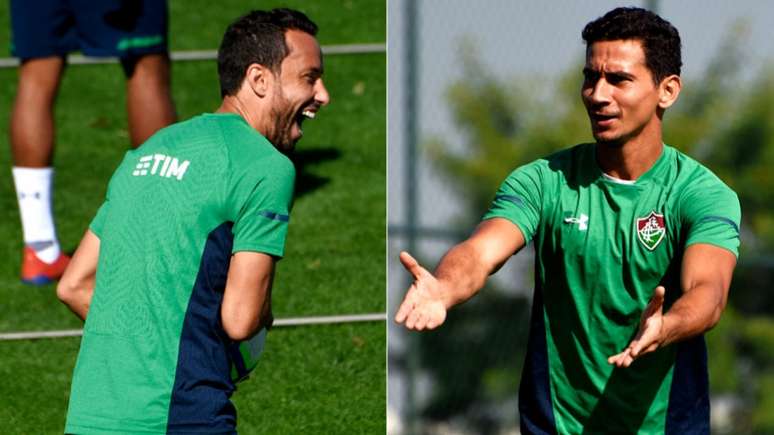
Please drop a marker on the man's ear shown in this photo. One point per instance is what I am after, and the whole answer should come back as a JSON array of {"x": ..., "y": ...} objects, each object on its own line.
[
  {"x": 259, "y": 78},
  {"x": 669, "y": 90}
]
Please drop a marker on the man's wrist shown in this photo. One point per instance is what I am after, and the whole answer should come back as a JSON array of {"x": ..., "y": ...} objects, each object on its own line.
[
  {"x": 446, "y": 292},
  {"x": 669, "y": 325}
]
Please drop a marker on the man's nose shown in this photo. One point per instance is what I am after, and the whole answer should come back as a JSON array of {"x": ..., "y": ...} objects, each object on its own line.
[
  {"x": 321, "y": 95},
  {"x": 600, "y": 92}
]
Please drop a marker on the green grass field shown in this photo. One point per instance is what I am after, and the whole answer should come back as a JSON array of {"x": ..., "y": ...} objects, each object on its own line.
[{"x": 313, "y": 379}]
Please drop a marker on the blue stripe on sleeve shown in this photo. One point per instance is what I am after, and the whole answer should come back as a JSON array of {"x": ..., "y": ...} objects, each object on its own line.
[
  {"x": 274, "y": 216},
  {"x": 511, "y": 198},
  {"x": 720, "y": 219}
]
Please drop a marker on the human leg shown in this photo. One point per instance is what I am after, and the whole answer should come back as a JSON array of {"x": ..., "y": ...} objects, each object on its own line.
[
  {"x": 32, "y": 146},
  {"x": 148, "y": 96}
]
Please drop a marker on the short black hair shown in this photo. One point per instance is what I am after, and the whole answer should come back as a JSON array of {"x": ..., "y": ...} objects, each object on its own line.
[
  {"x": 660, "y": 39},
  {"x": 258, "y": 37}
]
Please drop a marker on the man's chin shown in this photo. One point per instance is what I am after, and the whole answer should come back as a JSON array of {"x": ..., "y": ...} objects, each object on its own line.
[
  {"x": 286, "y": 147},
  {"x": 608, "y": 140}
]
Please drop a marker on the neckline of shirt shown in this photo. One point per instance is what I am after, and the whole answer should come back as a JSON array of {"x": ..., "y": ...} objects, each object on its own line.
[
  {"x": 618, "y": 180},
  {"x": 641, "y": 179}
]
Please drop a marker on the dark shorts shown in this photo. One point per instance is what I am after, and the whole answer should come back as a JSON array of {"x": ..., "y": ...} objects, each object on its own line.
[{"x": 120, "y": 28}]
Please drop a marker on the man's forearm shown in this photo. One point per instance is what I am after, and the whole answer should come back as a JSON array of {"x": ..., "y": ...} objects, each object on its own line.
[
  {"x": 695, "y": 312},
  {"x": 461, "y": 273},
  {"x": 76, "y": 287}
]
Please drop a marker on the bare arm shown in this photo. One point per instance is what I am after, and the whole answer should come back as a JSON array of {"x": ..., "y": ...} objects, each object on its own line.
[
  {"x": 246, "y": 304},
  {"x": 705, "y": 279},
  {"x": 76, "y": 287},
  {"x": 459, "y": 275}
]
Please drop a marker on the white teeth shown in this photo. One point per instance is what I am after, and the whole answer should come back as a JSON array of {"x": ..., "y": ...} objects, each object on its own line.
[{"x": 309, "y": 114}]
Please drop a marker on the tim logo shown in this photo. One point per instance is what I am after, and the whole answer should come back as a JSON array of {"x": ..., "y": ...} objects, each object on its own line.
[{"x": 161, "y": 165}]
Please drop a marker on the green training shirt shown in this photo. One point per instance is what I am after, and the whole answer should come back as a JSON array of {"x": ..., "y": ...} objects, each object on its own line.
[
  {"x": 602, "y": 247},
  {"x": 154, "y": 357}
]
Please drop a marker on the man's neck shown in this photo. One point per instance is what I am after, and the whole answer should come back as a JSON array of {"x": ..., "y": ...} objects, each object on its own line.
[
  {"x": 233, "y": 104},
  {"x": 630, "y": 160}
]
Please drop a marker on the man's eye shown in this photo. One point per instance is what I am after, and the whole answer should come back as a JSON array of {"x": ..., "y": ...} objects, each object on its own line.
[{"x": 614, "y": 80}]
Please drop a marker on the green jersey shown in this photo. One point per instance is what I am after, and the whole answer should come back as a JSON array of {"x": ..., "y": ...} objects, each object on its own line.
[
  {"x": 154, "y": 357},
  {"x": 602, "y": 246}
]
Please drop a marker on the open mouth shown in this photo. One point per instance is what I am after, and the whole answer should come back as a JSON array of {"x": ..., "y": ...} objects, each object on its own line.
[{"x": 303, "y": 115}]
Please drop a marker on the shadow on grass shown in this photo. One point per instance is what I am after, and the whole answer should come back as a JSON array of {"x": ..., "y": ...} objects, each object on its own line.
[{"x": 307, "y": 182}]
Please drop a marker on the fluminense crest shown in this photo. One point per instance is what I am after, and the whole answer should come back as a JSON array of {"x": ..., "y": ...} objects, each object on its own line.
[{"x": 651, "y": 230}]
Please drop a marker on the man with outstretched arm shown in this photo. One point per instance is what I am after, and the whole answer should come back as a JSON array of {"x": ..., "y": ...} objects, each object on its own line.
[{"x": 635, "y": 247}]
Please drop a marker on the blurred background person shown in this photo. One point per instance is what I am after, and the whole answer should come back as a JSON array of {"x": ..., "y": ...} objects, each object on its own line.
[{"x": 43, "y": 33}]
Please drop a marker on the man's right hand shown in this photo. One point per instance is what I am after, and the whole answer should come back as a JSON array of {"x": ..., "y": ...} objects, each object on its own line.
[{"x": 424, "y": 306}]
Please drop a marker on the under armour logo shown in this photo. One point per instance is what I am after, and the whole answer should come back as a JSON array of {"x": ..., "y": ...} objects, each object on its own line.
[
  {"x": 35, "y": 195},
  {"x": 582, "y": 221}
]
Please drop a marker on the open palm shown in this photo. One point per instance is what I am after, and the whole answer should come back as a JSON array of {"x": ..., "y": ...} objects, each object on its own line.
[{"x": 424, "y": 306}]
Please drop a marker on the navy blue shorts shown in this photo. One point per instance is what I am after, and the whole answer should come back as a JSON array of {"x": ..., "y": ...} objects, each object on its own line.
[{"x": 120, "y": 28}]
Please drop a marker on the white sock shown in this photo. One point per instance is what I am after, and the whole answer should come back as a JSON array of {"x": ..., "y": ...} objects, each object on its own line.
[{"x": 33, "y": 191}]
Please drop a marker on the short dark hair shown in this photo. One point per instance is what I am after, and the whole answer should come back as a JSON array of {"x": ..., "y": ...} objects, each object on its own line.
[
  {"x": 660, "y": 39},
  {"x": 258, "y": 37}
]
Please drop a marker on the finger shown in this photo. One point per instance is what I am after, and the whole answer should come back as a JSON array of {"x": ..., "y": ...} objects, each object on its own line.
[
  {"x": 636, "y": 347},
  {"x": 412, "y": 265},
  {"x": 421, "y": 322},
  {"x": 627, "y": 361},
  {"x": 434, "y": 322},
  {"x": 617, "y": 358},
  {"x": 403, "y": 312},
  {"x": 411, "y": 323},
  {"x": 613, "y": 359},
  {"x": 659, "y": 293},
  {"x": 406, "y": 306}
]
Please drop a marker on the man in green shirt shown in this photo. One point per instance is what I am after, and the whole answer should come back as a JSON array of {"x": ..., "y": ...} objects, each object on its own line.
[
  {"x": 176, "y": 268},
  {"x": 635, "y": 247}
]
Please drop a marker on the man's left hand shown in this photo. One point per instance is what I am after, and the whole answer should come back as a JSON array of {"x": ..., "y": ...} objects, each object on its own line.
[{"x": 649, "y": 337}]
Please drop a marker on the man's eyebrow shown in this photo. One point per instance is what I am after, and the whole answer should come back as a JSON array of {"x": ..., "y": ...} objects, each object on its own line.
[
  {"x": 315, "y": 71},
  {"x": 615, "y": 73},
  {"x": 619, "y": 73}
]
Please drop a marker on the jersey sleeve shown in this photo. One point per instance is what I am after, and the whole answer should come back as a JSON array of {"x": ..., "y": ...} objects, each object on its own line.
[
  {"x": 99, "y": 219},
  {"x": 519, "y": 199},
  {"x": 712, "y": 215},
  {"x": 98, "y": 222},
  {"x": 262, "y": 222}
]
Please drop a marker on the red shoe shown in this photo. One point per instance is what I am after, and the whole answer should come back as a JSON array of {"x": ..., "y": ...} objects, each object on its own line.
[{"x": 37, "y": 272}]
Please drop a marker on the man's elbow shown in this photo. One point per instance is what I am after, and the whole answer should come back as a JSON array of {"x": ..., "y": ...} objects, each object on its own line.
[
  {"x": 239, "y": 330},
  {"x": 67, "y": 291},
  {"x": 714, "y": 316}
]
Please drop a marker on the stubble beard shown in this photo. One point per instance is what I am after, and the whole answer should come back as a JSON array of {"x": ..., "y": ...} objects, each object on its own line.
[{"x": 284, "y": 117}]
